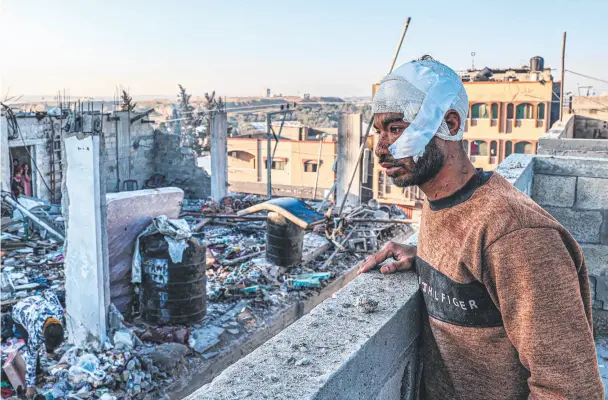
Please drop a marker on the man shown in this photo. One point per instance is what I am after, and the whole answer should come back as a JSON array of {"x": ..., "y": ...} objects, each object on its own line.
[
  {"x": 38, "y": 320},
  {"x": 508, "y": 313}
]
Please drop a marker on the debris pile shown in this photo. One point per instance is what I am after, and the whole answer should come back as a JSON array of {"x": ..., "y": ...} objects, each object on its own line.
[{"x": 244, "y": 292}]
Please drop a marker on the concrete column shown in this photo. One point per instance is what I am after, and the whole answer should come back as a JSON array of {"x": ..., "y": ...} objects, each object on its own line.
[
  {"x": 349, "y": 142},
  {"x": 219, "y": 155},
  {"x": 4, "y": 152},
  {"x": 86, "y": 257},
  {"x": 123, "y": 147}
]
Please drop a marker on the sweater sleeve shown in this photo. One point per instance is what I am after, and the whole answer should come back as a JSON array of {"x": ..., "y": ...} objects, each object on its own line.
[{"x": 545, "y": 306}]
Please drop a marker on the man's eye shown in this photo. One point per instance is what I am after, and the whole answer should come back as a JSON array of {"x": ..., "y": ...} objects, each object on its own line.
[
  {"x": 397, "y": 129},
  {"x": 376, "y": 131}
]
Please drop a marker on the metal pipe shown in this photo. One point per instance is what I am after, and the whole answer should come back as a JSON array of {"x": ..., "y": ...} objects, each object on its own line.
[
  {"x": 31, "y": 216},
  {"x": 561, "y": 84},
  {"x": 314, "y": 193},
  {"x": 331, "y": 257},
  {"x": 407, "y": 23},
  {"x": 381, "y": 220},
  {"x": 268, "y": 159}
]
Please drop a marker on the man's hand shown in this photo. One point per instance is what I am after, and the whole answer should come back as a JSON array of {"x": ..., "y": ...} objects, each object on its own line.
[
  {"x": 404, "y": 258},
  {"x": 30, "y": 392}
]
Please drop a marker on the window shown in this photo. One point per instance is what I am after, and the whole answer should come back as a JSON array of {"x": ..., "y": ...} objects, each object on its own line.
[
  {"x": 508, "y": 148},
  {"x": 479, "y": 148},
  {"x": 310, "y": 166},
  {"x": 493, "y": 148},
  {"x": 509, "y": 111},
  {"x": 494, "y": 111},
  {"x": 524, "y": 111},
  {"x": 541, "y": 111},
  {"x": 479, "y": 111},
  {"x": 279, "y": 165},
  {"x": 524, "y": 148}
]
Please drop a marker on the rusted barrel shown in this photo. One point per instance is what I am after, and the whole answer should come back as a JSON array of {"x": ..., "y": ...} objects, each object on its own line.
[
  {"x": 172, "y": 293},
  {"x": 284, "y": 241}
]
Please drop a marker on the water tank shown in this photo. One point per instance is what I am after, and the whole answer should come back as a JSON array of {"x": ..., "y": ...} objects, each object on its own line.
[
  {"x": 537, "y": 64},
  {"x": 284, "y": 241},
  {"x": 172, "y": 293}
]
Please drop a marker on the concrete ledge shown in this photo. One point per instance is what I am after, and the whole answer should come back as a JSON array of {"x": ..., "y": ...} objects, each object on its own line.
[
  {"x": 336, "y": 351},
  {"x": 518, "y": 170},
  {"x": 571, "y": 166}
]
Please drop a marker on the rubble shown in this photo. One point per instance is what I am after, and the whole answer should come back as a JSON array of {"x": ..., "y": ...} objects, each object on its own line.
[{"x": 243, "y": 291}]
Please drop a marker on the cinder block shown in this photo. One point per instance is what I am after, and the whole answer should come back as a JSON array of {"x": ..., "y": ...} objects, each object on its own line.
[
  {"x": 549, "y": 190},
  {"x": 584, "y": 226},
  {"x": 571, "y": 166},
  {"x": 596, "y": 258},
  {"x": 592, "y": 193}
]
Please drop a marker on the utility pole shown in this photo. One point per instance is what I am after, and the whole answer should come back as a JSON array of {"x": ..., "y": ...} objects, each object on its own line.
[
  {"x": 314, "y": 193},
  {"x": 561, "y": 85},
  {"x": 270, "y": 153}
]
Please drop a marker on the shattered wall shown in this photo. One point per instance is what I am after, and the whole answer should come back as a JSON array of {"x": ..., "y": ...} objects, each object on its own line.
[
  {"x": 179, "y": 163},
  {"x": 130, "y": 151}
]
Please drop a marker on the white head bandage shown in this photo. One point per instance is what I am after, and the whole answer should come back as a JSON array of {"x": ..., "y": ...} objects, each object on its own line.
[{"x": 423, "y": 91}]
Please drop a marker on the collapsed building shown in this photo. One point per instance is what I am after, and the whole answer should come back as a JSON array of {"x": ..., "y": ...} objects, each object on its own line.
[{"x": 78, "y": 237}]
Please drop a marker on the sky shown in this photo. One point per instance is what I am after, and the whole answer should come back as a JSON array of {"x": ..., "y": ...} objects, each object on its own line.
[{"x": 242, "y": 47}]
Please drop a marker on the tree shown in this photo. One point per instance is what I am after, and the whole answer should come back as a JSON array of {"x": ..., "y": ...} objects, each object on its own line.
[{"x": 127, "y": 102}]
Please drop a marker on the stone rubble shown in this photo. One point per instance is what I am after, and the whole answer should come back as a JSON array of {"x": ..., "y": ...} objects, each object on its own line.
[{"x": 142, "y": 361}]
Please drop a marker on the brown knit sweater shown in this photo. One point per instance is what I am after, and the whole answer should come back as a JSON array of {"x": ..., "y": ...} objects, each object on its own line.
[{"x": 508, "y": 309}]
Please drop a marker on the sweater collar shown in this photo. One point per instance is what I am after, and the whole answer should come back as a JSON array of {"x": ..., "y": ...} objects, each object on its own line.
[{"x": 479, "y": 179}]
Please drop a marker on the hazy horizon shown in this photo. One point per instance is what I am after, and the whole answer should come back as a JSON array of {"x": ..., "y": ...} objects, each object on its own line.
[{"x": 239, "y": 48}]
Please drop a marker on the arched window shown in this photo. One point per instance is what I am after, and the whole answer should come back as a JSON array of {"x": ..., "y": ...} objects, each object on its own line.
[
  {"x": 508, "y": 148},
  {"x": 541, "y": 111},
  {"x": 493, "y": 148},
  {"x": 465, "y": 144},
  {"x": 479, "y": 148},
  {"x": 494, "y": 111},
  {"x": 524, "y": 111},
  {"x": 524, "y": 148},
  {"x": 509, "y": 111},
  {"x": 480, "y": 111}
]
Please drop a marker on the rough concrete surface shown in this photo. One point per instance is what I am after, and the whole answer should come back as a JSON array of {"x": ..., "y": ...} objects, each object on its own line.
[
  {"x": 336, "y": 351},
  {"x": 128, "y": 214},
  {"x": 551, "y": 190},
  {"x": 584, "y": 226},
  {"x": 518, "y": 170},
  {"x": 571, "y": 166},
  {"x": 592, "y": 193}
]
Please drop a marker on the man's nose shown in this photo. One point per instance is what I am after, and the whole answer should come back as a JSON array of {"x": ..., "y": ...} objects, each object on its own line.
[{"x": 382, "y": 146}]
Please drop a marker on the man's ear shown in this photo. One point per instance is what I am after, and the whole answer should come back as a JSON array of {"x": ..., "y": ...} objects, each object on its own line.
[{"x": 452, "y": 118}]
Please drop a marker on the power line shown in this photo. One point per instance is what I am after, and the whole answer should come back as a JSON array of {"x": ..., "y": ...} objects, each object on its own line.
[{"x": 587, "y": 76}]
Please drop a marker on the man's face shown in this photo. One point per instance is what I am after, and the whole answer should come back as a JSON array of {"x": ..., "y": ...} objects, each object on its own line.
[{"x": 404, "y": 172}]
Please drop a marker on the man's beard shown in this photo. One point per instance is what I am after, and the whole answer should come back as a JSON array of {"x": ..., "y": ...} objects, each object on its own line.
[{"x": 427, "y": 166}]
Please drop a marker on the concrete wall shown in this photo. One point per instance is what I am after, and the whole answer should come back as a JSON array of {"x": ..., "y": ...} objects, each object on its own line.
[
  {"x": 129, "y": 151},
  {"x": 176, "y": 162},
  {"x": 132, "y": 156},
  {"x": 336, "y": 351},
  {"x": 574, "y": 137}
]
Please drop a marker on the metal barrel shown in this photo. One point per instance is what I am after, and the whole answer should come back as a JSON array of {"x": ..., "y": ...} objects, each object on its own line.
[
  {"x": 284, "y": 241},
  {"x": 172, "y": 293}
]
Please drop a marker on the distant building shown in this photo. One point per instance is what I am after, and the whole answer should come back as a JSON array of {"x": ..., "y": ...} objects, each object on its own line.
[{"x": 268, "y": 92}]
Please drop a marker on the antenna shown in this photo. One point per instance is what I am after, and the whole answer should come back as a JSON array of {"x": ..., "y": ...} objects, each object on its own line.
[{"x": 472, "y": 60}]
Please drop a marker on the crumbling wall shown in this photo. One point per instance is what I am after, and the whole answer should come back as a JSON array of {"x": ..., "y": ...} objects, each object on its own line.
[
  {"x": 575, "y": 192},
  {"x": 132, "y": 157},
  {"x": 179, "y": 163}
]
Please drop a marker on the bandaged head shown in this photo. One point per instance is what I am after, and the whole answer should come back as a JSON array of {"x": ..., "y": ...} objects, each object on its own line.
[{"x": 423, "y": 91}]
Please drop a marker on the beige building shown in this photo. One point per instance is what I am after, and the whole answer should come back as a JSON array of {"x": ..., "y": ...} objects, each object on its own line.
[{"x": 298, "y": 166}]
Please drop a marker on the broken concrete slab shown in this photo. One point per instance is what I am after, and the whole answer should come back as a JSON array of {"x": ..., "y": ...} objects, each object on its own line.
[
  {"x": 128, "y": 214},
  {"x": 205, "y": 338}
]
